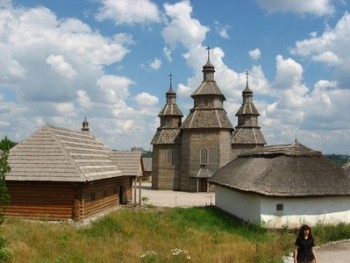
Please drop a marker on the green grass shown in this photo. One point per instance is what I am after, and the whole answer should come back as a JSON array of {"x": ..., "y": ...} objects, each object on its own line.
[{"x": 153, "y": 235}]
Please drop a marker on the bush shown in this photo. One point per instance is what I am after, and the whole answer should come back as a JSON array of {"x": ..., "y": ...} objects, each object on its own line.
[
  {"x": 5, "y": 254},
  {"x": 329, "y": 233}
]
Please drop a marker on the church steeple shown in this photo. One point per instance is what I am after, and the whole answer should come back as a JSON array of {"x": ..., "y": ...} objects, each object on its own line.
[
  {"x": 171, "y": 94},
  {"x": 208, "y": 110},
  {"x": 247, "y": 113},
  {"x": 247, "y": 93},
  {"x": 167, "y": 145},
  {"x": 208, "y": 69},
  {"x": 247, "y": 133},
  {"x": 170, "y": 117}
]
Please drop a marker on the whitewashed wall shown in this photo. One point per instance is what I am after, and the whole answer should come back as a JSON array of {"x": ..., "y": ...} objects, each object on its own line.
[
  {"x": 244, "y": 206},
  {"x": 296, "y": 211}
]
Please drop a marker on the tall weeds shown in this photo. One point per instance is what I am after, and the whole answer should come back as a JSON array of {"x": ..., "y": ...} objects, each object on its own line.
[{"x": 199, "y": 234}]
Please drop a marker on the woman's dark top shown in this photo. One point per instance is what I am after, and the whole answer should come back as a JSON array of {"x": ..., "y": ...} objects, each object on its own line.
[{"x": 305, "y": 248}]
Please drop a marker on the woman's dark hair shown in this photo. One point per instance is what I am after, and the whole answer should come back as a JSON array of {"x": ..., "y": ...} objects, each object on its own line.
[{"x": 301, "y": 231}]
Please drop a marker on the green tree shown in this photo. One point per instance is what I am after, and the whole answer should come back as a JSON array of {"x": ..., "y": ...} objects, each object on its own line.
[
  {"x": 340, "y": 159},
  {"x": 5, "y": 145},
  {"x": 4, "y": 195}
]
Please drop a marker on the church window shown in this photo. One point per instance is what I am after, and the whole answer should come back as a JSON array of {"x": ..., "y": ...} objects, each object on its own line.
[
  {"x": 206, "y": 102},
  {"x": 204, "y": 156},
  {"x": 169, "y": 157}
]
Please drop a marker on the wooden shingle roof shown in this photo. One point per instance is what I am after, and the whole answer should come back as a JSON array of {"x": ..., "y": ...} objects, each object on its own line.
[
  {"x": 250, "y": 135},
  {"x": 59, "y": 154},
  {"x": 147, "y": 163},
  {"x": 284, "y": 170},
  {"x": 247, "y": 108},
  {"x": 207, "y": 118},
  {"x": 130, "y": 162},
  {"x": 208, "y": 88},
  {"x": 167, "y": 136}
]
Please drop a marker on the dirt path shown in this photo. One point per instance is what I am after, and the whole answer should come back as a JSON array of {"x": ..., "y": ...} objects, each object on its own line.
[{"x": 337, "y": 252}]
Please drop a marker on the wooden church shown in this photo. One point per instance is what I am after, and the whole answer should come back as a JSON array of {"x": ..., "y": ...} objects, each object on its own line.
[{"x": 186, "y": 154}]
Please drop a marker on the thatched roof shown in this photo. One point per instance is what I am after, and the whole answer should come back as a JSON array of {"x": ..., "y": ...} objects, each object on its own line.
[
  {"x": 58, "y": 154},
  {"x": 284, "y": 170},
  {"x": 130, "y": 162},
  {"x": 347, "y": 168}
]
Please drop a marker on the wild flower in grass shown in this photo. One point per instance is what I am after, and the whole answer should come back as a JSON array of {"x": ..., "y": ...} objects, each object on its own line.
[
  {"x": 149, "y": 257},
  {"x": 180, "y": 253}
]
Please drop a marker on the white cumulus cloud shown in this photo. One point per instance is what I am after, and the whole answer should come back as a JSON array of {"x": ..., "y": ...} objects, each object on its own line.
[
  {"x": 114, "y": 88},
  {"x": 314, "y": 7},
  {"x": 146, "y": 99},
  {"x": 331, "y": 48},
  {"x": 255, "y": 53},
  {"x": 222, "y": 30},
  {"x": 60, "y": 66},
  {"x": 182, "y": 28},
  {"x": 155, "y": 64},
  {"x": 129, "y": 12}
]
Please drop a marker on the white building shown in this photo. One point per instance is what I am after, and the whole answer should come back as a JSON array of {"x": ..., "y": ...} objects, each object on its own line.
[{"x": 284, "y": 185}]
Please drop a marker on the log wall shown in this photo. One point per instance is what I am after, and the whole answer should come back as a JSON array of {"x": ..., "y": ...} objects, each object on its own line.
[{"x": 66, "y": 200}]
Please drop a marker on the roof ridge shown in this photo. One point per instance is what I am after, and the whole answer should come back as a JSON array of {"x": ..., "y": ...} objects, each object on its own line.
[{"x": 64, "y": 150}]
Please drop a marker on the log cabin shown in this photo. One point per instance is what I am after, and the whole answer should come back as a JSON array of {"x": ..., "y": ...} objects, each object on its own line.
[{"x": 60, "y": 174}]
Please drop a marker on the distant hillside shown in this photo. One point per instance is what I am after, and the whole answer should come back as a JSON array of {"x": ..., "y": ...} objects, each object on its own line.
[{"x": 339, "y": 158}]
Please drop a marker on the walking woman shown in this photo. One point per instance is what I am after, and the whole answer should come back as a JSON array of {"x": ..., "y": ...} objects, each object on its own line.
[{"x": 304, "y": 246}]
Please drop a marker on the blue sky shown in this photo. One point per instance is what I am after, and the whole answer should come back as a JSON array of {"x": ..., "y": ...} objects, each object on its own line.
[{"x": 110, "y": 60}]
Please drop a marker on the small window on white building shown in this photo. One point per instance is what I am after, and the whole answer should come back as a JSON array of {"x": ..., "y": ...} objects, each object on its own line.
[
  {"x": 279, "y": 207},
  {"x": 169, "y": 157},
  {"x": 204, "y": 156}
]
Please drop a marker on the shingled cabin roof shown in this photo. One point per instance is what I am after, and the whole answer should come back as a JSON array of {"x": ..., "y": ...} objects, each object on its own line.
[
  {"x": 130, "y": 162},
  {"x": 284, "y": 170},
  {"x": 59, "y": 154}
]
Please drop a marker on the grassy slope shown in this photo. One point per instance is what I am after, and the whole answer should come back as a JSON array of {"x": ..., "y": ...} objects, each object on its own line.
[{"x": 199, "y": 234}]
